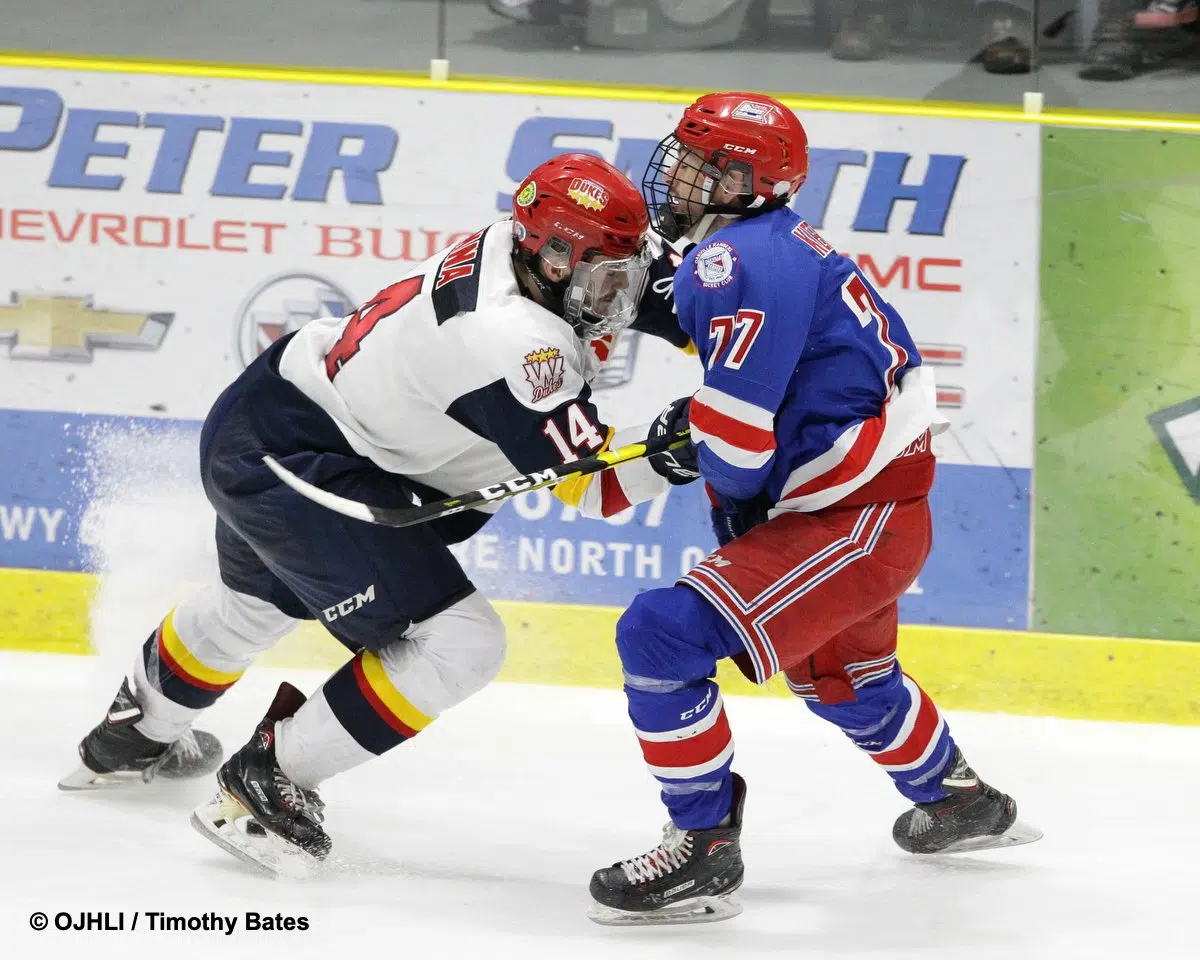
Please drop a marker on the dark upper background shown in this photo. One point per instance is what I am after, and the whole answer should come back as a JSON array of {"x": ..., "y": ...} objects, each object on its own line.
[{"x": 928, "y": 49}]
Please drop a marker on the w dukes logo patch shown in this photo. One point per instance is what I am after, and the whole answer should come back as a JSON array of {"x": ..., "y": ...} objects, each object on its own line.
[{"x": 544, "y": 371}]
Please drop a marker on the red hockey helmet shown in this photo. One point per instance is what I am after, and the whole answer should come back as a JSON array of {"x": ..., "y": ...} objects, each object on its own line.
[
  {"x": 731, "y": 153},
  {"x": 580, "y": 225}
]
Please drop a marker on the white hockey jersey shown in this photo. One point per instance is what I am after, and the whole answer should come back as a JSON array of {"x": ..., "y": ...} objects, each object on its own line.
[{"x": 454, "y": 379}]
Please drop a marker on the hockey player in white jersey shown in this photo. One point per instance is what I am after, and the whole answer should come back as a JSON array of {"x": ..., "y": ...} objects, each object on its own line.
[{"x": 473, "y": 368}]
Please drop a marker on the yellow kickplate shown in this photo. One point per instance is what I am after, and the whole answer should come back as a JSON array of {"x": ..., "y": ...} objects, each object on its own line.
[{"x": 1098, "y": 678}]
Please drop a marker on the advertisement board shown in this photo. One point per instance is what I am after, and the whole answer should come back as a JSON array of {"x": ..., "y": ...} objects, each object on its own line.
[
  {"x": 157, "y": 232},
  {"x": 1118, "y": 399}
]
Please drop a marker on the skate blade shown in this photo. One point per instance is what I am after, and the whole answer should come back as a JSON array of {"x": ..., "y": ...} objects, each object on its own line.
[
  {"x": 84, "y": 778},
  {"x": 226, "y": 822},
  {"x": 696, "y": 910},
  {"x": 1019, "y": 833}
]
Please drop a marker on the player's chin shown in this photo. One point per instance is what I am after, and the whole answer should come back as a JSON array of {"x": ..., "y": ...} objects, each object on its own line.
[{"x": 685, "y": 209}]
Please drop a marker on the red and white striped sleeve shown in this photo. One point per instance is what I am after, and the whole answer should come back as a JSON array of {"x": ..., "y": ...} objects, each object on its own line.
[{"x": 736, "y": 439}]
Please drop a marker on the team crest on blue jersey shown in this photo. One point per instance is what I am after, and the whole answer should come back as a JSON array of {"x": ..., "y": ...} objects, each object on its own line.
[{"x": 715, "y": 265}]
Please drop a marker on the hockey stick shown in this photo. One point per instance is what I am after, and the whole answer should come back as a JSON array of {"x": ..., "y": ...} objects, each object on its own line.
[{"x": 410, "y": 516}]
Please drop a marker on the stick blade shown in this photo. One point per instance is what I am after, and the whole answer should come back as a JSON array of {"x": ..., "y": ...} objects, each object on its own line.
[{"x": 330, "y": 501}]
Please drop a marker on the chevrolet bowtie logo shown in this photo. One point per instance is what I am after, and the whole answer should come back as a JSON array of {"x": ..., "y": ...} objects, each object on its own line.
[{"x": 69, "y": 328}]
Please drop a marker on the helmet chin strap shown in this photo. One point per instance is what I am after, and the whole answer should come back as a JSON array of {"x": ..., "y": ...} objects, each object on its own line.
[
  {"x": 547, "y": 294},
  {"x": 573, "y": 304},
  {"x": 559, "y": 298}
]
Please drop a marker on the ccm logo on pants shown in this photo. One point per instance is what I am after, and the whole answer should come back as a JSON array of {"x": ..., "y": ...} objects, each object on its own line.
[{"x": 349, "y": 605}]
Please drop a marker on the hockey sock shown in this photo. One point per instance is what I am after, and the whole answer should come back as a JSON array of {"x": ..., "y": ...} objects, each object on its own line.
[
  {"x": 197, "y": 653},
  {"x": 686, "y": 741},
  {"x": 359, "y": 713},
  {"x": 174, "y": 684},
  {"x": 899, "y": 727},
  {"x": 382, "y": 698},
  {"x": 669, "y": 641}
]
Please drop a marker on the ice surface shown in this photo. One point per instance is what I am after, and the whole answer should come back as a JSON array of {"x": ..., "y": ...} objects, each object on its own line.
[{"x": 477, "y": 839}]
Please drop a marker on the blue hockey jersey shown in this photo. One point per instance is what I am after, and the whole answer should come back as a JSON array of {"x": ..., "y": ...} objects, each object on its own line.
[{"x": 812, "y": 383}]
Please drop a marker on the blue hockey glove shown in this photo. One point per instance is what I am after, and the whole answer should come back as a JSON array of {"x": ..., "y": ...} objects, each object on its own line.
[
  {"x": 732, "y": 518},
  {"x": 678, "y": 466}
]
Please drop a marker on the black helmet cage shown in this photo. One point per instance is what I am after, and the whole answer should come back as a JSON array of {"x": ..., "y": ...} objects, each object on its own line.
[
  {"x": 668, "y": 220},
  {"x": 672, "y": 223}
]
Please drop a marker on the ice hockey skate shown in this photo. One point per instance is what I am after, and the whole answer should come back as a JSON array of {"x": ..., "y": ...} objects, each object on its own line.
[
  {"x": 115, "y": 752},
  {"x": 258, "y": 814},
  {"x": 972, "y": 816},
  {"x": 688, "y": 878}
]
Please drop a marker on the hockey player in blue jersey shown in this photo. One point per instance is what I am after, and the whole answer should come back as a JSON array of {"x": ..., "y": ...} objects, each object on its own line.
[{"x": 812, "y": 431}]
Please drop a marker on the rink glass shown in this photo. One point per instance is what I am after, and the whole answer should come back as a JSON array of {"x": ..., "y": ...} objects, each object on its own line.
[{"x": 933, "y": 47}]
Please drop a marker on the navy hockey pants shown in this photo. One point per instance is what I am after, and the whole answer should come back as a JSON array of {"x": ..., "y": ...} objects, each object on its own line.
[{"x": 366, "y": 583}]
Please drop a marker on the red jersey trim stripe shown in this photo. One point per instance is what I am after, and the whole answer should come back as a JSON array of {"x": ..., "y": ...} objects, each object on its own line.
[
  {"x": 899, "y": 354},
  {"x": 713, "y": 423},
  {"x": 867, "y": 447},
  {"x": 734, "y": 456},
  {"x": 857, "y": 458}
]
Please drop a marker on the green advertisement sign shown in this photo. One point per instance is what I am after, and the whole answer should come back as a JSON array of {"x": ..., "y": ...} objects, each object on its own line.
[{"x": 1117, "y": 466}]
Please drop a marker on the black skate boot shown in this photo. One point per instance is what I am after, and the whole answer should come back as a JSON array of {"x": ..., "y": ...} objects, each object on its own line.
[
  {"x": 116, "y": 752},
  {"x": 258, "y": 814},
  {"x": 972, "y": 816},
  {"x": 688, "y": 878}
]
